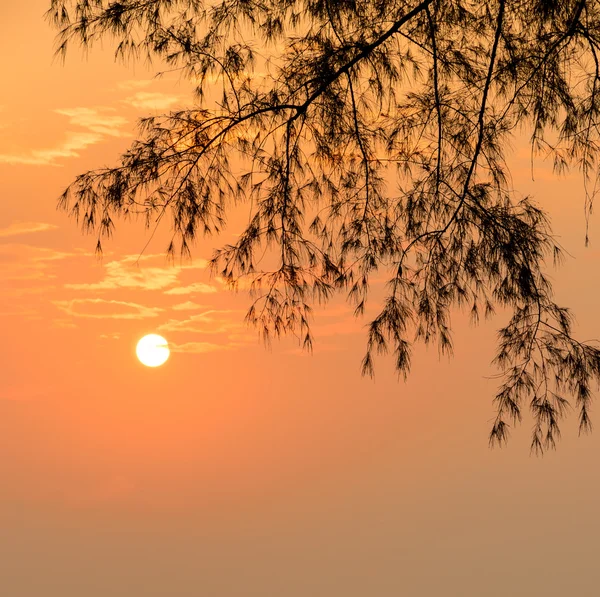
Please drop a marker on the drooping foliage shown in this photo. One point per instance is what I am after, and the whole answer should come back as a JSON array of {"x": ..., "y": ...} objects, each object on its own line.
[{"x": 368, "y": 136}]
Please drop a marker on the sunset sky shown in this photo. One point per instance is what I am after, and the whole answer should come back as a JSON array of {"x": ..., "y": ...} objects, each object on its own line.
[{"x": 235, "y": 470}]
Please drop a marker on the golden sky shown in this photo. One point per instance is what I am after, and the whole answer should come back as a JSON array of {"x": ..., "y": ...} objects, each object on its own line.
[{"x": 235, "y": 471}]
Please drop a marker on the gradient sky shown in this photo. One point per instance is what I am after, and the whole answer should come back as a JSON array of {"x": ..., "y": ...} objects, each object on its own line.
[{"x": 233, "y": 470}]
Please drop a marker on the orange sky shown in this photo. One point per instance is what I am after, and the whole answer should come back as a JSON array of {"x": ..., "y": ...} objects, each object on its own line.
[{"x": 235, "y": 470}]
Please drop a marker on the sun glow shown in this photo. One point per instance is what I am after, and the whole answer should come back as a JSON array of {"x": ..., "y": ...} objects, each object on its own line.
[{"x": 152, "y": 350}]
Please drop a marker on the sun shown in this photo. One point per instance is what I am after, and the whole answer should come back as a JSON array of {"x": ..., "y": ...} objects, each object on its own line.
[{"x": 152, "y": 350}]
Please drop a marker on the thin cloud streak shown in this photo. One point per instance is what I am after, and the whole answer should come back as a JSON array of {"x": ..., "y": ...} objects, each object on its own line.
[
  {"x": 188, "y": 306},
  {"x": 27, "y": 262},
  {"x": 69, "y": 148},
  {"x": 199, "y": 347},
  {"x": 98, "y": 127},
  {"x": 18, "y": 228},
  {"x": 137, "y": 311},
  {"x": 209, "y": 322},
  {"x": 96, "y": 120},
  {"x": 130, "y": 272},
  {"x": 152, "y": 100},
  {"x": 196, "y": 288}
]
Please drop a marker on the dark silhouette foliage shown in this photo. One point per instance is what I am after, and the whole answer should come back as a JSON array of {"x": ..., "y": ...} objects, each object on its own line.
[{"x": 368, "y": 136}]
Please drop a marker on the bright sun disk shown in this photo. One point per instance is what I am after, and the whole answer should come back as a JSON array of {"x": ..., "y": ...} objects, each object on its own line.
[{"x": 152, "y": 350}]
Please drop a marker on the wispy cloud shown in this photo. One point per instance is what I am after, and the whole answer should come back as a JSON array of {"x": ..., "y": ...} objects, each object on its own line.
[
  {"x": 188, "y": 306},
  {"x": 152, "y": 100},
  {"x": 94, "y": 308},
  {"x": 96, "y": 120},
  {"x": 64, "y": 324},
  {"x": 119, "y": 274},
  {"x": 134, "y": 271},
  {"x": 26, "y": 262},
  {"x": 199, "y": 347},
  {"x": 69, "y": 148},
  {"x": 21, "y": 254},
  {"x": 195, "y": 288},
  {"x": 209, "y": 322},
  {"x": 99, "y": 123},
  {"x": 18, "y": 228}
]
